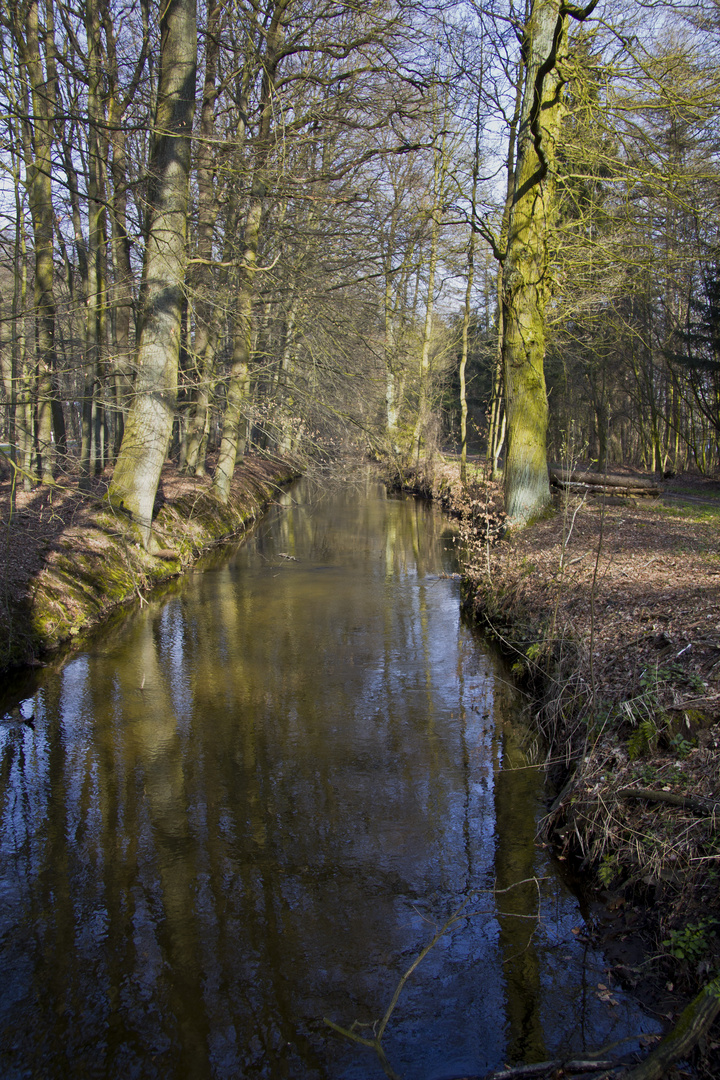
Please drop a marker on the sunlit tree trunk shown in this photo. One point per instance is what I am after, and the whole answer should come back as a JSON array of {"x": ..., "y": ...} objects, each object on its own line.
[
  {"x": 42, "y": 84},
  {"x": 499, "y": 244},
  {"x": 496, "y": 433},
  {"x": 438, "y": 197},
  {"x": 209, "y": 286},
  {"x": 397, "y": 274},
  {"x": 24, "y": 414},
  {"x": 150, "y": 419},
  {"x": 468, "y": 296},
  {"x": 203, "y": 280},
  {"x": 20, "y": 439},
  {"x": 121, "y": 287},
  {"x": 92, "y": 446},
  {"x": 392, "y": 404},
  {"x": 526, "y": 274},
  {"x": 284, "y": 377},
  {"x": 239, "y": 378},
  {"x": 526, "y": 284}
]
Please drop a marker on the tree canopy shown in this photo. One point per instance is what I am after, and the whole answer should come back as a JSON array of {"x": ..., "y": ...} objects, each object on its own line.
[{"x": 303, "y": 227}]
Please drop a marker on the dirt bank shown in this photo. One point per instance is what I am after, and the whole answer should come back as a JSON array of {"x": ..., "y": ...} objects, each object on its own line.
[
  {"x": 67, "y": 561},
  {"x": 609, "y": 609}
]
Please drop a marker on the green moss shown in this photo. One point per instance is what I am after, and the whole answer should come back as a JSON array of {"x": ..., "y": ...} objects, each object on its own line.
[{"x": 87, "y": 578}]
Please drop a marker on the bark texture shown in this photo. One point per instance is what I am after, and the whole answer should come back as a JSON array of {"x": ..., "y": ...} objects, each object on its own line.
[
  {"x": 238, "y": 385},
  {"x": 42, "y": 82},
  {"x": 694, "y": 1022},
  {"x": 149, "y": 423},
  {"x": 526, "y": 284}
]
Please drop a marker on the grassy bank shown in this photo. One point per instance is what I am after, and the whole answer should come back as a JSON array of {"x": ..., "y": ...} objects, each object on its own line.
[
  {"x": 609, "y": 610},
  {"x": 68, "y": 561}
]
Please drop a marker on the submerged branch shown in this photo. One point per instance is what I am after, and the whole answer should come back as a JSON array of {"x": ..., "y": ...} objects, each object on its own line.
[
  {"x": 457, "y": 916},
  {"x": 547, "y": 1069}
]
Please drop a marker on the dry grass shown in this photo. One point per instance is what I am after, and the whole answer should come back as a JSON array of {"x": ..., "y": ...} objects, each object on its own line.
[{"x": 609, "y": 610}]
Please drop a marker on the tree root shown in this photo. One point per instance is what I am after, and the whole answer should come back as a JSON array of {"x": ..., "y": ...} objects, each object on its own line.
[{"x": 695, "y": 1021}]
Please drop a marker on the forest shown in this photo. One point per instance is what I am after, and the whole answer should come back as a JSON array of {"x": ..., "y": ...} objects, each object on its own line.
[
  {"x": 474, "y": 241},
  {"x": 386, "y": 226}
]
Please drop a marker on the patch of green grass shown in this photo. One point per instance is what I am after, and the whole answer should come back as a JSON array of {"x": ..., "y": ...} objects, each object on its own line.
[
  {"x": 654, "y": 676},
  {"x": 698, "y": 491},
  {"x": 700, "y": 514}
]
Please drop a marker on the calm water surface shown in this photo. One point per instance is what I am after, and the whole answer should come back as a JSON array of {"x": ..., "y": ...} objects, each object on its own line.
[{"x": 249, "y": 807}]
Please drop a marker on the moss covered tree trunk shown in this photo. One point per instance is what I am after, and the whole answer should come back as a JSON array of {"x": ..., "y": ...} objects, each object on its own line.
[
  {"x": 150, "y": 419},
  {"x": 526, "y": 285}
]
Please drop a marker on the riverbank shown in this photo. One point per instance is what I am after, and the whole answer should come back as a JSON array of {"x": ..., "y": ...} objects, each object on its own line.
[
  {"x": 67, "y": 561},
  {"x": 609, "y": 609}
]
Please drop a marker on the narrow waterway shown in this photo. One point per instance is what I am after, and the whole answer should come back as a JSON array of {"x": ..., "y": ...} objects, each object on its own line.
[{"x": 249, "y": 806}]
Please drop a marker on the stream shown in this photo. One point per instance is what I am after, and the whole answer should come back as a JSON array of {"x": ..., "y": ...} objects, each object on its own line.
[{"x": 249, "y": 805}]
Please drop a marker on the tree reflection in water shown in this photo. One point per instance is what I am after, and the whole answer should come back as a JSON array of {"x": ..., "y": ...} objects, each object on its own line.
[{"x": 244, "y": 808}]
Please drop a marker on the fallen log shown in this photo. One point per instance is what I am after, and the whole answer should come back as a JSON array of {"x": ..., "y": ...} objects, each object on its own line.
[
  {"x": 576, "y": 480},
  {"x": 687, "y": 802},
  {"x": 596, "y": 489},
  {"x": 561, "y": 475},
  {"x": 694, "y": 1021}
]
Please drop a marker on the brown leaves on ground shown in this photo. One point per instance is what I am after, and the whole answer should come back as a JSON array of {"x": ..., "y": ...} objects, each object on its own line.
[
  {"x": 635, "y": 580},
  {"x": 611, "y": 608}
]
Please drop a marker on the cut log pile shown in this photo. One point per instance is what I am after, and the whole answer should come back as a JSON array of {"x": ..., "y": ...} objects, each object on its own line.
[{"x": 602, "y": 483}]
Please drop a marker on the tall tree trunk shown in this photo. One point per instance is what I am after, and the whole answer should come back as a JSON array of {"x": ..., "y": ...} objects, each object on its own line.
[
  {"x": 496, "y": 434},
  {"x": 468, "y": 294},
  {"x": 149, "y": 423},
  {"x": 284, "y": 432},
  {"x": 91, "y": 454},
  {"x": 16, "y": 395},
  {"x": 205, "y": 282},
  {"x": 20, "y": 145},
  {"x": 239, "y": 379},
  {"x": 121, "y": 292},
  {"x": 42, "y": 84},
  {"x": 526, "y": 285},
  {"x": 438, "y": 194},
  {"x": 392, "y": 402},
  {"x": 396, "y": 277},
  {"x": 464, "y": 356}
]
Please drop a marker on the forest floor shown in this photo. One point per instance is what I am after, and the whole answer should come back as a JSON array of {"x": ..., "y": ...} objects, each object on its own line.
[
  {"x": 609, "y": 610},
  {"x": 66, "y": 562}
]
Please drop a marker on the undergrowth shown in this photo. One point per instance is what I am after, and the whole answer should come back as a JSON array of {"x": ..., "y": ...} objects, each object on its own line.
[{"x": 620, "y": 720}]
